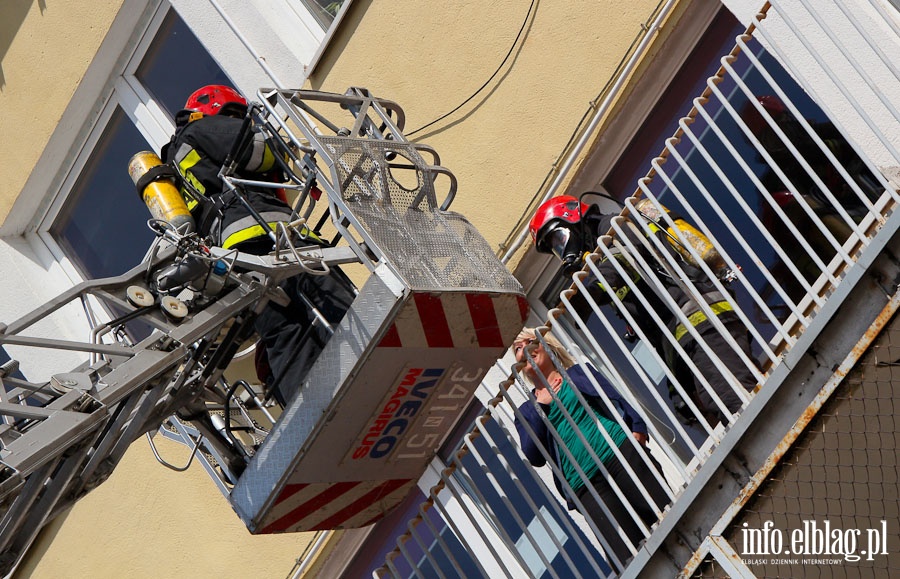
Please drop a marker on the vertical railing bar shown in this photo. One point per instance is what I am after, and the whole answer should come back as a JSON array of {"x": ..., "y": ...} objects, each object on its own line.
[
  {"x": 426, "y": 549},
  {"x": 695, "y": 140},
  {"x": 531, "y": 504},
  {"x": 860, "y": 70},
  {"x": 590, "y": 449},
  {"x": 700, "y": 262},
  {"x": 621, "y": 422},
  {"x": 874, "y": 46},
  {"x": 887, "y": 18},
  {"x": 448, "y": 484},
  {"x": 401, "y": 545},
  {"x": 837, "y": 246},
  {"x": 394, "y": 573},
  {"x": 647, "y": 241},
  {"x": 557, "y": 472},
  {"x": 874, "y": 170},
  {"x": 749, "y": 172},
  {"x": 840, "y": 168},
  {"x": 451, "y": 522},
  {"x": 810, "y": 213},
  {"x": 813, "y": 174},
  {"x": 780, "y": 212},
  {"x": 461, "y": 471},
  {"x": 423, "y": 516}
]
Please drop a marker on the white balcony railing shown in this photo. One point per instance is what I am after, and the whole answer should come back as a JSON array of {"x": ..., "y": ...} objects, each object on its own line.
[{"x": 767, "y": 168}]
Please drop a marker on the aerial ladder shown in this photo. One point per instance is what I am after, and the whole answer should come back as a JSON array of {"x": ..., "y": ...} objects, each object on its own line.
[{"x": 435, "y": 311}]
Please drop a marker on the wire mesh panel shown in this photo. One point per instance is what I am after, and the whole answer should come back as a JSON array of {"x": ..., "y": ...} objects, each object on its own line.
[
  {"x": 710, "y": 569},
  {"x": 832, "y": 507},
  {"x": 432, "y": 247}
]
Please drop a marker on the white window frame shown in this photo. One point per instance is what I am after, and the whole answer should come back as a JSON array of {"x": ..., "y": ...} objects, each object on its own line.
[
  {"x": 304, "y": 14},
  {"x": 151, "y": 121}
]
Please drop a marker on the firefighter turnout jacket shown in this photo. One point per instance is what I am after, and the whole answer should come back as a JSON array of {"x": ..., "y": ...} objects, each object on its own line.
[
  {"x": 643, "y": 308},
  {"x": 197, "y": 151}
]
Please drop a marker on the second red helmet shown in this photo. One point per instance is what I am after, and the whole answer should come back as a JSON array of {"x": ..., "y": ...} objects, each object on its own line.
[{"x": 563, "y": 208}]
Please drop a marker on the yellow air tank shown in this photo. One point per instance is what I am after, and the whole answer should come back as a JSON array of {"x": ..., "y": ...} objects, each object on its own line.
[
  {"x": 693, "y": 236},
  {"x": 156, "y": 186}
]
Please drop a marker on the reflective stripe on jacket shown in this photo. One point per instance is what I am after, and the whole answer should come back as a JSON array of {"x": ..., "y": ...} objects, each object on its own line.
[{"x": 198, "y": 150}]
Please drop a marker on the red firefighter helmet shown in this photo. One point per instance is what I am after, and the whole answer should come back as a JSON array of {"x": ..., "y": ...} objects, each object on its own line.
[
  {"x": 214, "y": 98},
  {"x": 549, "y": 214}
]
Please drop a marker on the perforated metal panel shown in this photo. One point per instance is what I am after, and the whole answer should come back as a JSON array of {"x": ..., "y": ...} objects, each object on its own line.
[{"x": 397, "y": 205}]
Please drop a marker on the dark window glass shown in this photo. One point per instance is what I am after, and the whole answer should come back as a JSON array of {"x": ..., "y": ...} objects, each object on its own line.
[
  {"x": 383, "y": 540},
  {"x": 674, "y": 103},
  {"x": 514, "y": 508},
  {"x": 103, "y": 225},
  {"x": 176, "y": 65}
]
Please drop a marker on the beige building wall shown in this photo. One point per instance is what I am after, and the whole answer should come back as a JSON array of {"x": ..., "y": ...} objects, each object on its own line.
[
  {"x": 430, "y": 57},
  {"x": 45, "y": 49},
  {"x": 149, "y": 521}
]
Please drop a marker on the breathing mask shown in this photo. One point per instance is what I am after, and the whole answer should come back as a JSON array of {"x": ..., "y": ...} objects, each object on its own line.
[{"x": 566, "y": 243}]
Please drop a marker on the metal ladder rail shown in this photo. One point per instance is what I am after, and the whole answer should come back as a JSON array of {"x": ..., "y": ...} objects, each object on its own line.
[{"x": 54, "y": 453}]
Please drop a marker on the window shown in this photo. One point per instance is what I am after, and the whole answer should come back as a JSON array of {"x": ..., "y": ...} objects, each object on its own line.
[
  {"x": 100, "y": 227},
  {"x": 317, "y": 21},
  {"x": 176, "y": 64}
]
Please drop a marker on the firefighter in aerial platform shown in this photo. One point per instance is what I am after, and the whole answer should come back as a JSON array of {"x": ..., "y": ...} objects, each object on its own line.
[
  {"x": 568, "y": 229},
  {"x": 206, "y": 131}
]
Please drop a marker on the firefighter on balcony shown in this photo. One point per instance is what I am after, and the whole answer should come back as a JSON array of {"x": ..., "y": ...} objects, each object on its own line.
[
  {"x": 568, "y": 228},
  {"x": 812, "y": 154},
  {"x": 812, "y": 185},
  {"x": 206, "y": 131}
]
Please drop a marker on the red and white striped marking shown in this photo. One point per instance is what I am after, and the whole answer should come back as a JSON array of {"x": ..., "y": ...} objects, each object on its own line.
[
  {"x": 457, "y": 320},
  {"x": 323, "y": 506},
  {"x": 447, "y": 320}
]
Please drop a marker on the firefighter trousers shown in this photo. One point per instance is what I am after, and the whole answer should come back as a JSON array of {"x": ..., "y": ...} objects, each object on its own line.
[
  {"x": 292, "y": 337},
  {"x": 716, "y": 371}
]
